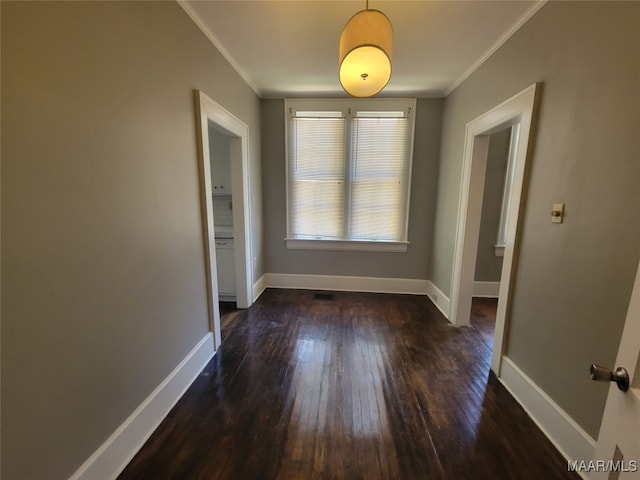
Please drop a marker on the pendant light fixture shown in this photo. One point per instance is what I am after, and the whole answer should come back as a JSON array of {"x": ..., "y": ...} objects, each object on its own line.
[{"x": 365, "y": 53}]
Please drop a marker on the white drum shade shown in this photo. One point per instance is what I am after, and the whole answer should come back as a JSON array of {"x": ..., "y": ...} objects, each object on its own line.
[{"x": 365, "y": 53}]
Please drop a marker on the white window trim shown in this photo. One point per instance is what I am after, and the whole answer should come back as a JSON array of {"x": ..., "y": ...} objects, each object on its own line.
[
  {"x": 344, "y": 105},
  {"x": 346, "y": 245}
]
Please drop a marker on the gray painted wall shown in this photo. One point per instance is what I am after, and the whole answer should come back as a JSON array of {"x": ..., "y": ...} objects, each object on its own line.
[
  {"x": 103, "y": 280},
  {"x": 412, "y": 264},
  {"x": 488, "y": 266},
  {"x": 574, "y": 280}
]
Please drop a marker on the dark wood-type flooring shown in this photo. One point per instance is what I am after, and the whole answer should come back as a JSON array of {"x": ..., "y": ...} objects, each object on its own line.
[
  {"x": 230, "y": 314},
  {"x": 356, "y": 386}
]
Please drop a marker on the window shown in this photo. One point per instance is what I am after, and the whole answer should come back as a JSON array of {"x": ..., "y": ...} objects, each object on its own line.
[
  {"x": 349, "y": 169},
  {"x": 505, "y": 210}
]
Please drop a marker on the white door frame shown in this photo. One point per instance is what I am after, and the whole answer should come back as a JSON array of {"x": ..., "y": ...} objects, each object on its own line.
[
  {"x": 210, "y": 111},
  {"x": 517, "y": 112}
]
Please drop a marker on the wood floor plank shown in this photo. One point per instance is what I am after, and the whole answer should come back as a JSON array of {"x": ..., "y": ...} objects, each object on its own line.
[{"x": 358, "y": 386}]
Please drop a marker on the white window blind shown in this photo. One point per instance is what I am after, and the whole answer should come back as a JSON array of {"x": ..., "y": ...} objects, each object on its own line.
[
  {"x": 348, "y": 172},
  {"x": 317, "y": 175},
  {"x": 379, "y": 163}
]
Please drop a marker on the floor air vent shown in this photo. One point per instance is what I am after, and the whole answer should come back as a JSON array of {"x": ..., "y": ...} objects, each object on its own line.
[{"x": 323, "y": 296}]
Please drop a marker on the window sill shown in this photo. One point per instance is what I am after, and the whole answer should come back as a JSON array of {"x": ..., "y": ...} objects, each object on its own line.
[
  {"x": 498, "y": 250},
  {"x": 346, "y": 245}
]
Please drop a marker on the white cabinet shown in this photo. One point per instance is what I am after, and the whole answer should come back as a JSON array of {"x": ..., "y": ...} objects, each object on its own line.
[
  {"x": 220, "y": 153},
  {"x": 226, "y": 268}
]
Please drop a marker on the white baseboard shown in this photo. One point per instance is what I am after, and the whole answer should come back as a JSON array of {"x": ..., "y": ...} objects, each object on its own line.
[
  {"x": 259, "y": 287},
  {"x": 567, "y": 436},
  {"x": 410, "y": 286},
  {"x": 486, "y": 289},
  {"x": 108, "y": 461},
  {"x": 439, "y": 299}
]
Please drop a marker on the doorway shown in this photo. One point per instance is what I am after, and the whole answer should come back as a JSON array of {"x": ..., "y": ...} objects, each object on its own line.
[
  {"x": 212, "y": 117},
  {"x": 495, "y": 207},
  {"x": 222, "y": 201},
  {"x": 516, "y": 113}
]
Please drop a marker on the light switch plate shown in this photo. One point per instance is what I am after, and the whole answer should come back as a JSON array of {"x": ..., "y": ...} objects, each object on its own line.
[{"x": 557, "y": 213}]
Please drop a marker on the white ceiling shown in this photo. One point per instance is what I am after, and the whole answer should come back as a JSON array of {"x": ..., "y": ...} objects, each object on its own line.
[{"x": 290, "y": 48}]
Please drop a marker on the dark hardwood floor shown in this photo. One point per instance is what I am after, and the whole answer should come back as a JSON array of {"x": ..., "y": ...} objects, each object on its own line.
[
  {"x": 230, "y": 314},
  {"x": 483, "y": 319},
  {"x": 356, "y": 386}
]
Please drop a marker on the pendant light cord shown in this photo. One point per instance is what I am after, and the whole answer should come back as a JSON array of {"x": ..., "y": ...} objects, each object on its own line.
[{"x": 367, "y": 5}]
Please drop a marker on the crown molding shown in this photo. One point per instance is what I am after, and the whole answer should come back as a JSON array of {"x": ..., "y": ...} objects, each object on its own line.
[
  {"x": 530, "y": 12},
  {"x": 197, "y": 19}
]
